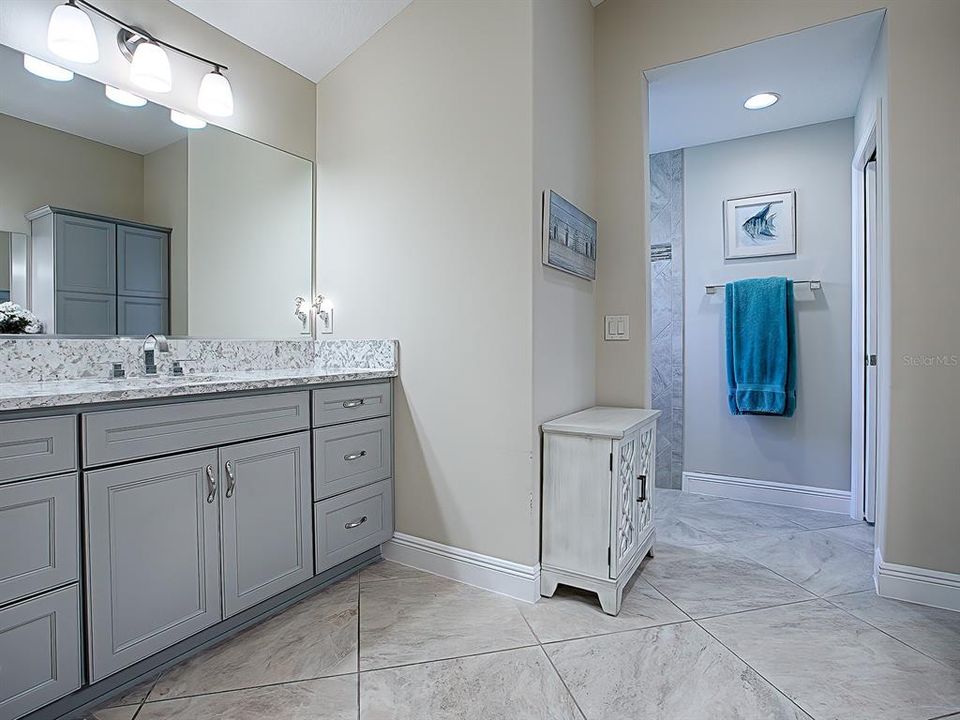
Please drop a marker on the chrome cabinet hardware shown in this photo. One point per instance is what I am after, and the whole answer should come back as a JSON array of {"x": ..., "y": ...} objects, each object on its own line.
[
  {"x": 350, "y": 457},
  {"x": 211, "y": 484},
  {"x": 231, "y": 479},
  {"x": 347, "y": 404},
  {"x": 355, "y": 523}
]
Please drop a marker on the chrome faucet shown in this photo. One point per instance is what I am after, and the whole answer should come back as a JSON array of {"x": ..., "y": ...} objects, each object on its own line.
[{"x": 153, "y": 344}]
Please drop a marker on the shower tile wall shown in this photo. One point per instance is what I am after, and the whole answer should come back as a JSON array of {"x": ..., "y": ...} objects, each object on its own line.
[{"x": 666, "y": 257}]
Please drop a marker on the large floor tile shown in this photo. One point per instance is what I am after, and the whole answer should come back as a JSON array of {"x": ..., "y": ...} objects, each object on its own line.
[
  {"x": 815, "y": 561},
  {"x": 386, "y": 570},
  {"x": 573, "y": 613},
  {"x": 512, "y": 685},
  {"x": 125, "y": 712},
  {"x": 817, "y": 520},
  {"x": 704, "y": 582},
  {"x": 134, "y": 696},
  {"x": 328, "y": 698},
  {"x": 671, "y": 672},
  {"x": 932, "y": 631},
  {"x": 860, "y": 536},
  {"x": 836, "y": 666},
  {"x": 431, "y": 618},
  {"x": 314, "y": 638}
]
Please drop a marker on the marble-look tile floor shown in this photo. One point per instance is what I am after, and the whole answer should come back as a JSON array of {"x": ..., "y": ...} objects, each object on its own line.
[{"x": 747, "y": 612}]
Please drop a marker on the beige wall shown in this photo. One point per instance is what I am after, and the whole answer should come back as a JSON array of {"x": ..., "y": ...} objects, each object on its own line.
[
  {"x": 920, "y": 180},
  {"x": 423, "y": 229},
  {"x": 165, "y": 204},
  {"x": 250, "y": 236},
  {"x": 40, "y": 166},
  {"x": 273, "y": 104}
]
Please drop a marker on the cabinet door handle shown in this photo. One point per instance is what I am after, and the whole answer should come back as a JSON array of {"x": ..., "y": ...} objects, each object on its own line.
[
  {"x": 355, "y": 523},
  {"x": 231, "y": 479},
  {"x": 352, "y": 403},
  {"x": 350, "y": 457},
  {"x": 643, "y": 488},
  {"x": 211, "y": 484}
]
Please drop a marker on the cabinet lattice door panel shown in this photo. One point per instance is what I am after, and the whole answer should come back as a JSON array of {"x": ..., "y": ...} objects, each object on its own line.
[
  {"x": 645, "y": 479},
  {"x": 626, "y": 535}
]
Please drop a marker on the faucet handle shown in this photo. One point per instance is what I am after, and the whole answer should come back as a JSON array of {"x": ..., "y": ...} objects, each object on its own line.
[
  {"x": 177, "y": 368},
  {"x": 116, "y": 371}
]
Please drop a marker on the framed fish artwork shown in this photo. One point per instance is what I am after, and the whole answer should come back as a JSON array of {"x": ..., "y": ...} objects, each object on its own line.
[{"x": 760, "y": 225}]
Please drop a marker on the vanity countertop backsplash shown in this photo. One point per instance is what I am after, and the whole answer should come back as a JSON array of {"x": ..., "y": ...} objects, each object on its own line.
[{"x": 55, "y": 372}]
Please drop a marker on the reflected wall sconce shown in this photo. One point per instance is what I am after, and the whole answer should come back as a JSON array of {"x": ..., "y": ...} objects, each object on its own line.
[
  {"x": 322, "y": 306},
  {"x": 70, "y": 35}
]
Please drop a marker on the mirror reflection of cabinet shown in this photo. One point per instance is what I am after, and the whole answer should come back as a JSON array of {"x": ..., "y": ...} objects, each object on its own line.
[{"x": 93, "y": 275}]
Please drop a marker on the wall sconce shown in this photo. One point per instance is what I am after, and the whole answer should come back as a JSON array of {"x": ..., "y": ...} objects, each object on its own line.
[{"x": 322, "y": 306}]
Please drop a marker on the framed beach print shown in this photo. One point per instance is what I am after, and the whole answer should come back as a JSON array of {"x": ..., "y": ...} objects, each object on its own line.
[
  {"x": 760, "y": 226},
  {"x": 569, "y": 237}
]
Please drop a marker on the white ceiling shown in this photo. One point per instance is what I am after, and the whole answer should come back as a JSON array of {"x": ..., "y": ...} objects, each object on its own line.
[
  {"x": 819, "y": 73},
  {"x": 79, "y": 107},
  {"x": 310, "y": 37}
]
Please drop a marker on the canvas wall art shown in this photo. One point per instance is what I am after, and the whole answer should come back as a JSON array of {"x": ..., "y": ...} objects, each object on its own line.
[
  {"x": 760, "y": 226},
  {"x": 569, "y": 237}
]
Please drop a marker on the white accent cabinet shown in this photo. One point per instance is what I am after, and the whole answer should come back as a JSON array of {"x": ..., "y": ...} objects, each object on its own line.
[{"x": 598, "y": 480}]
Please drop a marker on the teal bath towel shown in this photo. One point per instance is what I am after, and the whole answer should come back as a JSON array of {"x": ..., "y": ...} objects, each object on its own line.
[{"x": 761, "y": 347}]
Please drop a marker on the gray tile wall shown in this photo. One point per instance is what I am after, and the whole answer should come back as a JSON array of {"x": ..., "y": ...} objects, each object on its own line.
[{"x": 666, "y": 257}]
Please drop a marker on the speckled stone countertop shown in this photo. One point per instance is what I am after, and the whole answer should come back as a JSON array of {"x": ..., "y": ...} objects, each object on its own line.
[{"x": 218, "y": 372}]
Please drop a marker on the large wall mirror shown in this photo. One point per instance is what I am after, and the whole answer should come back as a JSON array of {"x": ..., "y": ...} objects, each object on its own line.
[{"x": 114, "y": 220}]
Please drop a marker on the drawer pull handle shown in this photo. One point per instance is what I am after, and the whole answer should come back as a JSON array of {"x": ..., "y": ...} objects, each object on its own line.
[
  {"x": 231, "y": 479},
  {"x": 355, "y": 523},
  {"x": 643, "y": 488},
  {"x": 211, "y": 484},
  {"x": 350, "y": 457},
  {"x": 347, "y": 404}
]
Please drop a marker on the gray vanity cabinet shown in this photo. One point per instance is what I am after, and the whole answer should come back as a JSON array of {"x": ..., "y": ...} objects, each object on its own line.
[
  {"x": 86, "y": 255},
  {"x": 142, "y": 262},
  {"x": 265, "y": 501},
  {"x": 86, "y": 313},
  {"x": 153, "y": 556},
  {"x": 140, "y": 316}
]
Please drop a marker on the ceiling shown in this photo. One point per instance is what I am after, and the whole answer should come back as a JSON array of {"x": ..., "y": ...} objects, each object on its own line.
[
  {"x": 310, "y": 37},
  {"x": 79, "y": 107},
  {"x": 818, "y": 72}
]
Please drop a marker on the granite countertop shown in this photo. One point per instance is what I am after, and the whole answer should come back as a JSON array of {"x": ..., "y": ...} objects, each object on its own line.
[{"x": 83, "y": 391}]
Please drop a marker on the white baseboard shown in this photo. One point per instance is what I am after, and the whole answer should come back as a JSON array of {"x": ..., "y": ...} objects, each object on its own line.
[
  {"x": 764, "y": 491},
  {"x": 916, "y": 585},
  {"x": 483, "y": 571}
]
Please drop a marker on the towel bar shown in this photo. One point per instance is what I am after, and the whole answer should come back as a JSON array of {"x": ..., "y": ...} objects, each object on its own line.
[{"x": 814, "y": 285}]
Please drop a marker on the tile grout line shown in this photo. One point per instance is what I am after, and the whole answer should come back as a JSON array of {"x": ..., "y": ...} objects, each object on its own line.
[
  {"x": 447, "y": 659},
  {"x": 563, "y": 682}
]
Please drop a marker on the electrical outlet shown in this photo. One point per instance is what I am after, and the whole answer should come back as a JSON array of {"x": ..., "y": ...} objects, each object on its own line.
[{"x": 616, "y": 327}]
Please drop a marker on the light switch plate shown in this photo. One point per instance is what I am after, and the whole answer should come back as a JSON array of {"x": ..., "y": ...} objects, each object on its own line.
[{"x": 616, "y": 327}]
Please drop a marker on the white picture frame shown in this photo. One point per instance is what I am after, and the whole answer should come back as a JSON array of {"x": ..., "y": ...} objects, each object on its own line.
[{"x": 760, "y": 225}]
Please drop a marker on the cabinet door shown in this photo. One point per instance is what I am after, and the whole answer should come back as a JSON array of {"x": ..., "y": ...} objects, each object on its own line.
[
  {"x": 39, "y": 651},
  {"x": 86, "y": 255},
  {"x": 142, "y": 262},
  {"x": 139, "y": 316},
  {"x": 153, "y": 557},
  {"x": 267, "y": 537},
  {"x": 646, "y": 477},
  {"x": 625, "y": 535},
  {"x": 86, "y": 314}
]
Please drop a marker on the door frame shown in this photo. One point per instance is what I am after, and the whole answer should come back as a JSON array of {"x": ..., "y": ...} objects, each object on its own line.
[{"x": 868, "y": 143}]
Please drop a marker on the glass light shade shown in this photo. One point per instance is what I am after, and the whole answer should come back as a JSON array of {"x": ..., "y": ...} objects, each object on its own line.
[
  {"x": 122, "y": 97},
  {"x": 150, "y": 68},
  {"x": 216, "y": 96},
  {"x": 49, "y": 71},
  {"x": 70, "y": 35},
  {"x": 188, "y": 121},
  {"x": 761, "y": 101}
]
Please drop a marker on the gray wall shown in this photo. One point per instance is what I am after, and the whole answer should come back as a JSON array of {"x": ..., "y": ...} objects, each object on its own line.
[
  {"x": 666, "y": 305},
  {"x": 813, "y": 447}
]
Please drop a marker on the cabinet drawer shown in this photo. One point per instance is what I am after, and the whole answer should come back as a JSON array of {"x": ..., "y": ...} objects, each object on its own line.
[
  {"x": 115, "y": 435},
  {"x": 349, "y": 524},
  {"x": 355, "y": 402},
  {"x": 349, "y": 456},
  {"x": 39, "y": 651},
  {"x": 42, "y": 446},
  {"x": 39, "y": 535}
]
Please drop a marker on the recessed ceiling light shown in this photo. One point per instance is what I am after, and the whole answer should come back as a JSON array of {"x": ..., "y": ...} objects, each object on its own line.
[
  {"x": 761, "y": 100},
  {"x": 49, "y": 71},
  {"x": 188, "y": 121},
  {"x": 122, "y": 97}
]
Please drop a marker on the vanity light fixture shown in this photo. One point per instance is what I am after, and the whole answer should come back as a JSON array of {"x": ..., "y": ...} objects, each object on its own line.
[
  {"x": 190, "y": 122},
  {"x": 216, "y": 96},
  {"x": 122, "y": 97},
  {"x": 761, "y": 100},
  {"x": 70, "y": 34},
  {"x": 324, "y": 309},
  {"x": 150, "y": 68},
  {"x": 48, "y": 71}
]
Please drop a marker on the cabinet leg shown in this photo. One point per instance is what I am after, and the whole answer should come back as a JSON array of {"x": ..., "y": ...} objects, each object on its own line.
[
  {"x": 650, "y": 552},
  {"x": 610, "y": 601},
  {"x": 548, "y": 586}
]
